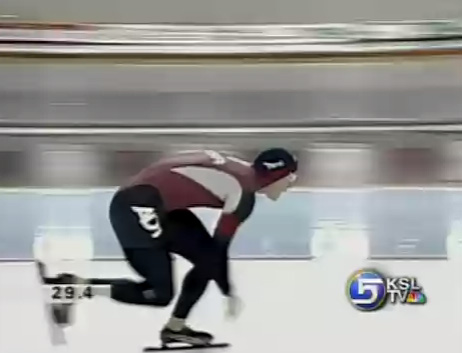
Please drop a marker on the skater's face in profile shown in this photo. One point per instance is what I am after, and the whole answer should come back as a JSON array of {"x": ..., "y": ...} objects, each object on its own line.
[{"x": 275, "y": 190}]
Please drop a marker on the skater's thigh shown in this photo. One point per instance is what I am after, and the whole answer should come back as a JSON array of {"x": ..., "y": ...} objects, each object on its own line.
[
  {"x": 137, "y": 217},
  {"x": 189, "y": 238},
  {"x": 187, "y": 232},
  {"x": 153, "y": 264}
]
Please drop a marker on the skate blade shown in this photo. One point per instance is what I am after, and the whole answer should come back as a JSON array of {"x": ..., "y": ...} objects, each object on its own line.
[
  {"x": 55, "y": 331},
  {"x": 186, "y": 346}
]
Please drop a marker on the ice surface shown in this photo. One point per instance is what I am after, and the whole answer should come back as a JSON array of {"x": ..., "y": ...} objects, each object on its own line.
[{"x": 290, "y": 307}]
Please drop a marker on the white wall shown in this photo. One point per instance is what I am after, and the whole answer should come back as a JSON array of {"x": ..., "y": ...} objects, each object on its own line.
[
  {"x": 300, "y": 303},
  {"x": 226, "y": 11}
]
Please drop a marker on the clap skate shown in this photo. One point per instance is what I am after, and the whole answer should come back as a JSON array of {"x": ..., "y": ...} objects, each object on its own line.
[
  {"x": 185, "y": 339},
  {"x": 57, "y": 258}
]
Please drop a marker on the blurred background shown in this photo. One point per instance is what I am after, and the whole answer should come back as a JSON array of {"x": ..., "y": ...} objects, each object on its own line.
[
  {"x": 231, "y": 12},
  {"x": 368, "y": 96}
]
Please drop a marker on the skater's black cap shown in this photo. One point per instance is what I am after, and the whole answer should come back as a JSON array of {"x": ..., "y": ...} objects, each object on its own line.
[{"x": 274, "y": 164}]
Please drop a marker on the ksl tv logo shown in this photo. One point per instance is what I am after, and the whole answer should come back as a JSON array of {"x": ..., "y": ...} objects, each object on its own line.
[{"x": 370, "y": 290}]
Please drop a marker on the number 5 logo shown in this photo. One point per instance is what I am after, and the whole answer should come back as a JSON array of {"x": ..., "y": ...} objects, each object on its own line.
[
  {"x": 148, "y": 219},
  {"x": 370, "y": 285}
]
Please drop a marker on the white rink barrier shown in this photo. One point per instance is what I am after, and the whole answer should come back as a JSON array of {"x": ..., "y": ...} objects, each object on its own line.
[
  {"x": 232, "y": 39},
  {"x": 207, "y": 49},
  {"x": 222, "y": 34}
]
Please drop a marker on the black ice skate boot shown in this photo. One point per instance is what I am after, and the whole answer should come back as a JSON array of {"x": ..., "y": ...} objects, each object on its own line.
[
  {"x": 62, "y": 313},
  {"x": 185, "y": 335}
]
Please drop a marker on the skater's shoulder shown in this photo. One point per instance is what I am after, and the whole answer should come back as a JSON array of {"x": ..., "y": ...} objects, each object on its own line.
[
  {"x": 184, "y": 158},
  {"x": 206, "y": 159}
]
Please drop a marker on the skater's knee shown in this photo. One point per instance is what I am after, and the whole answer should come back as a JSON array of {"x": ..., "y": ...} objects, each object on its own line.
[
  {"x": 139, "y": 293},
  {"x": 162, "y": 301},
  {"x": 161, "y": 296}
]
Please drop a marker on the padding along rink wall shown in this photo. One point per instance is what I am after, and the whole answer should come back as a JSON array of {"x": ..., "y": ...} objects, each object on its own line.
[{"x": 402, "y": 222}]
